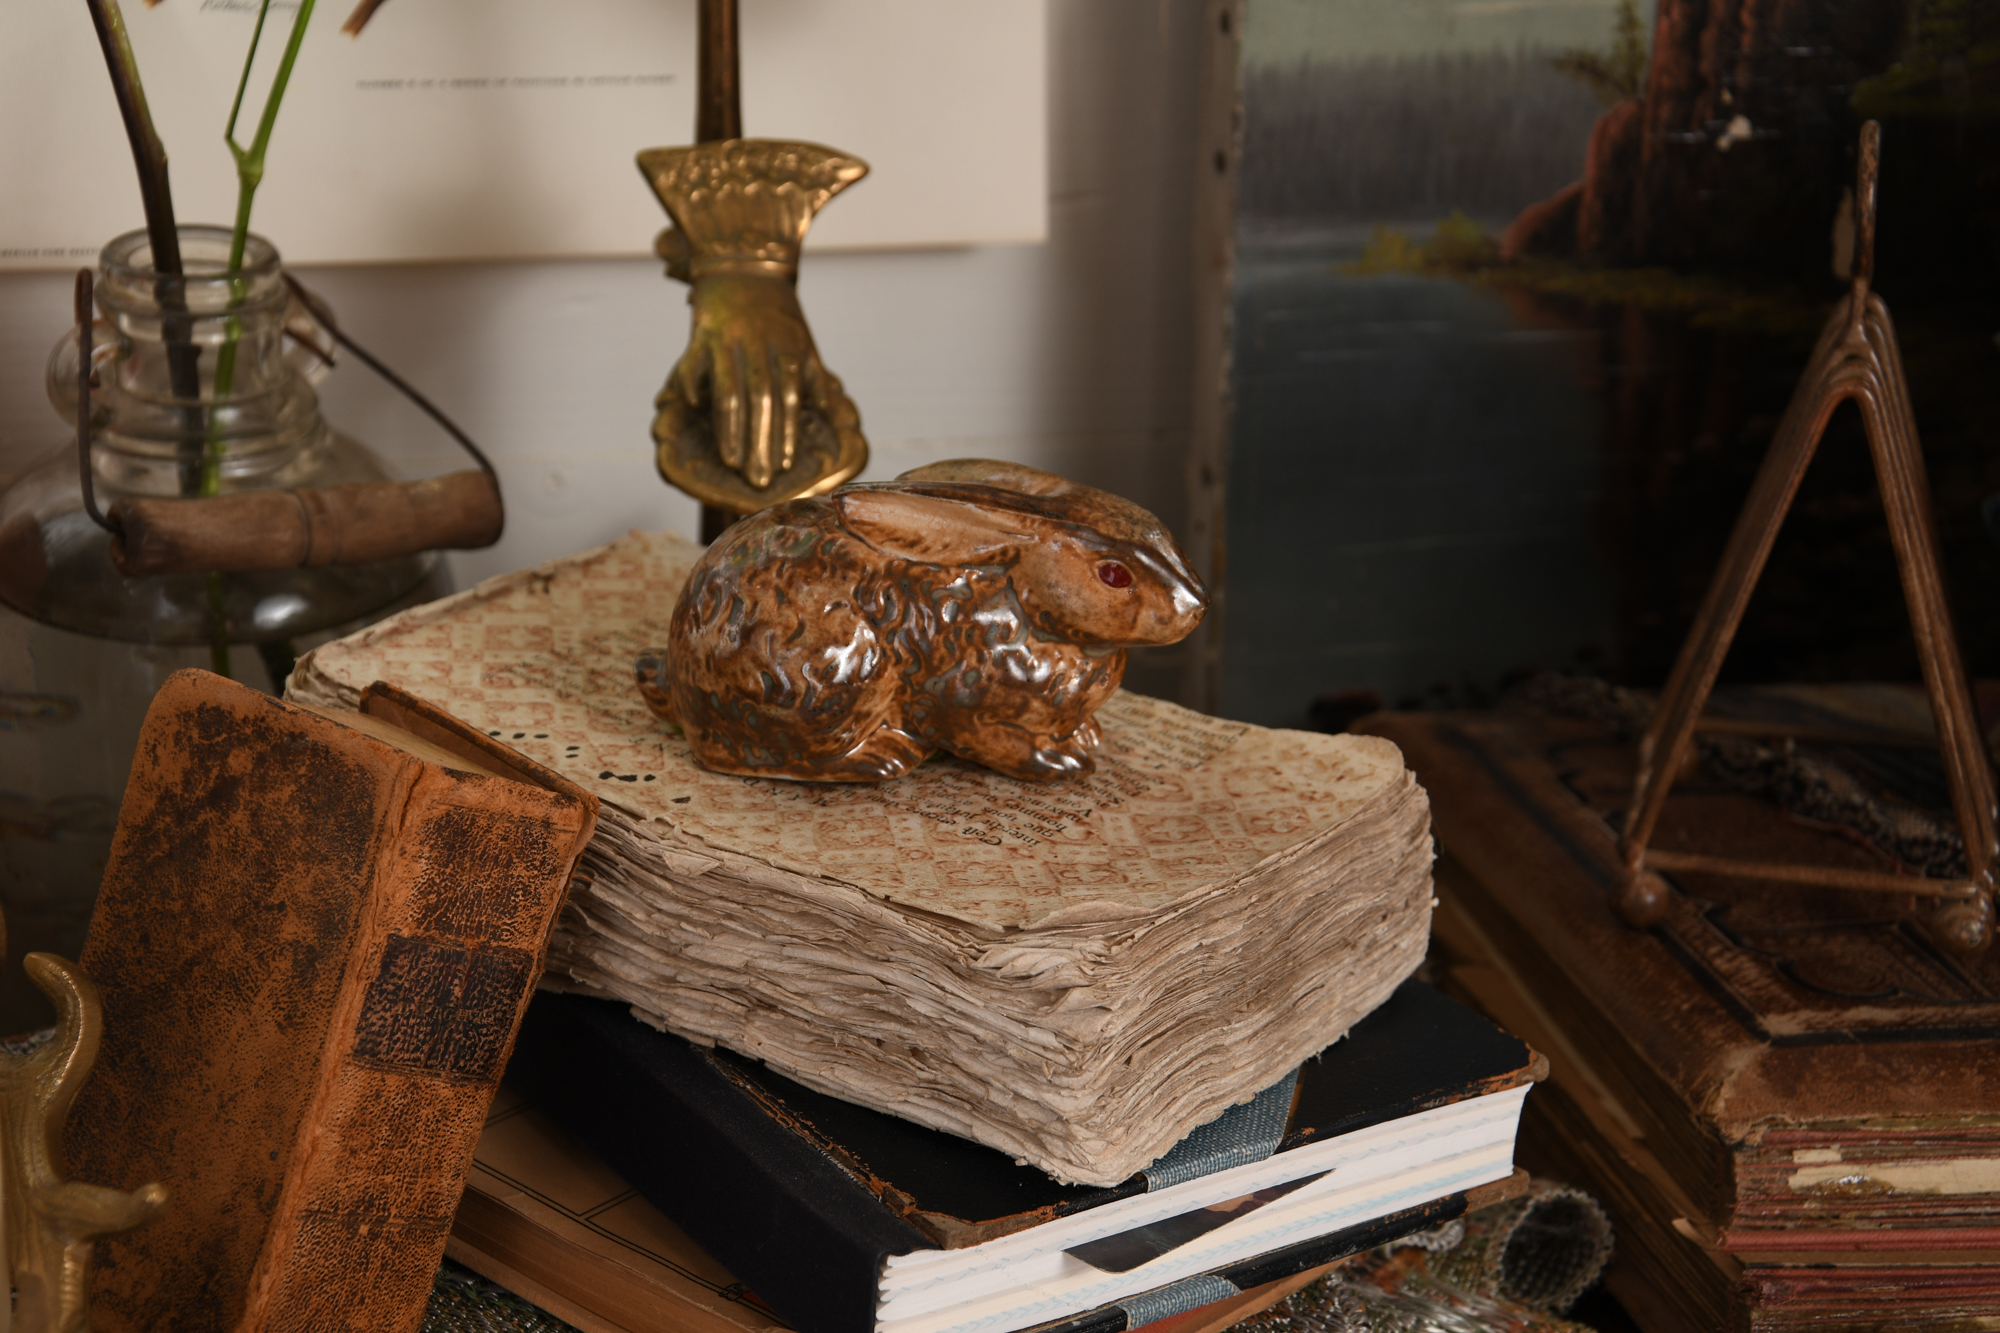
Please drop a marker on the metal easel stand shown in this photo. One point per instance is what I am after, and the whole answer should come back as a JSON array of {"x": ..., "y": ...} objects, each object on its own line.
[{"x": 1856, "y": 359}]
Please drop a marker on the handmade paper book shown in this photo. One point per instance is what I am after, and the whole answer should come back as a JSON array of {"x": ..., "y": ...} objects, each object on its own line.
[
  {"x": 1076, "y": 974},
  {"x": 847, "y": 1220},
  {"x": 314, "y": 942}
]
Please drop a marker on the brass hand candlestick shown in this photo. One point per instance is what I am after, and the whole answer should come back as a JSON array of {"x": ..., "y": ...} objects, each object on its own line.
[
  {"x": 749, "y": 417},
  {"x": 51, "y": 1223}
]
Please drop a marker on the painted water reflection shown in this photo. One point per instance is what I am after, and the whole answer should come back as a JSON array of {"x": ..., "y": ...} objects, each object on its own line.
[{"x": 1414, "y": 483}]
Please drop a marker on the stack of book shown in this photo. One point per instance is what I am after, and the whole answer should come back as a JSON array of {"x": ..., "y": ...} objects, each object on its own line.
[
  {"x": 960, "y": 1054},
  {"x": 1783, "y": 1095},
  {"x": 850, "y": 1221},
  {"x": 1075, "y": 974},
  {"x": 844, "y": 1220}
]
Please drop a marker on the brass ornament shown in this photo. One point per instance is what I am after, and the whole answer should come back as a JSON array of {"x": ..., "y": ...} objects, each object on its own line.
[
  {"x": 749, "y": 416},
  {"x": 974, "y": 607},
  {"x": 1856, "y": 359},
  {"x": 51, "y": 1222}
]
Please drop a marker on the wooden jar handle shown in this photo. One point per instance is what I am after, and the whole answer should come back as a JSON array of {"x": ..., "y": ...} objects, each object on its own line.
[{"x": 340, "y": 525}]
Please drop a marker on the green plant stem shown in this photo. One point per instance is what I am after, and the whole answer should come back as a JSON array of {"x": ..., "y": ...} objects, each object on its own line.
[
  {"x": 250, "y": 161},
  {"x": 249, "y": 175}
]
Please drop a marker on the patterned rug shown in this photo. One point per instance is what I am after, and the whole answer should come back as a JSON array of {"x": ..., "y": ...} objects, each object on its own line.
[{"x": 464, "y": 1302}]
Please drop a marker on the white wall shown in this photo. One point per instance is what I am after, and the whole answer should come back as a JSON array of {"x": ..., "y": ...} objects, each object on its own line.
[
  {"x": 1074, "y": 355},
  {"x": 497, "y": 129}
]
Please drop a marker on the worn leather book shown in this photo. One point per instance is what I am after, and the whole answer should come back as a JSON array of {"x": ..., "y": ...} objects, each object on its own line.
[
  {"x": 846, "y": 1220},
  {"x": 1576, "y": 1131},
  {"x": 1783, "y": 1093},
  {"x": 1073, "y": 973},
  {"x": 314, "y": 942}
]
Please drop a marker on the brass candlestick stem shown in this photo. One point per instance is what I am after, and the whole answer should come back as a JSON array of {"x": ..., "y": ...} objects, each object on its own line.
[
  {"x": 1857, "y": 360},
  {"x": 718, "y": 110}
]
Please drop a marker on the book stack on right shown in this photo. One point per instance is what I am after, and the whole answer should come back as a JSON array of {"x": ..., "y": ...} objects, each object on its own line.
[{"x": 1785, "y": 1096}]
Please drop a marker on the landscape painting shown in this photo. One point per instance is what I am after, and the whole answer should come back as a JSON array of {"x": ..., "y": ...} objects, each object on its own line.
[{"x": 1521, "y": 290}]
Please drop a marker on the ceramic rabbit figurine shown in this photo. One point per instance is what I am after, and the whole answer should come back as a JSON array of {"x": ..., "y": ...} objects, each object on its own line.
[{"x": 976, "y": 607}]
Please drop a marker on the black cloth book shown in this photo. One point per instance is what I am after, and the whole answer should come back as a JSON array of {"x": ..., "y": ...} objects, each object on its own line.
[{"x": 804, "y": 1196}]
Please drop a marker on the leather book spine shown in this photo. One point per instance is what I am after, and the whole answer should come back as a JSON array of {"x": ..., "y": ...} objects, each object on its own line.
[
  {"x": 464, "y": 904},
  {"x": 313, "y": 951},
  {"x": 770, "y": 1207}
]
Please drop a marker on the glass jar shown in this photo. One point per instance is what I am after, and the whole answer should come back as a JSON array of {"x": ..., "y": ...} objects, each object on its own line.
[{"x": 82, "y": 647}]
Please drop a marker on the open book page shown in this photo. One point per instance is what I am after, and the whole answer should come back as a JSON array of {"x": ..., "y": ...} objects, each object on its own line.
[
  {"x": 1180, "y": 802},
  {"x": 389, "y": 734}
]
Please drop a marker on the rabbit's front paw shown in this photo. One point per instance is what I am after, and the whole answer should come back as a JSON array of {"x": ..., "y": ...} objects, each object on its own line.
[
  {"x": 1066, "y": 759},
  {"x": 1031, "y": 758}
]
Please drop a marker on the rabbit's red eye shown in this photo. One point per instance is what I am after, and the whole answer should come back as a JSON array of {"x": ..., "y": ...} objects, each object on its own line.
[{"x": 1115, "y": 574}]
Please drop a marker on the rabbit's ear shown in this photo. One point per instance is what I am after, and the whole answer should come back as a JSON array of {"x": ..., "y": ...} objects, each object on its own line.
[
  {"x": 928, "y": 528},
  {"x": 992, "y": 472}
]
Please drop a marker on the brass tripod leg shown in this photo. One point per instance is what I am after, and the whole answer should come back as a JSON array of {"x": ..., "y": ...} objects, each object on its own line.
[{"x": 1856, "y": 359}]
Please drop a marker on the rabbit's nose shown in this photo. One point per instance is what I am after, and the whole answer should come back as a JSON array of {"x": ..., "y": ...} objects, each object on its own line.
[{"x": 1189, "y": 603}]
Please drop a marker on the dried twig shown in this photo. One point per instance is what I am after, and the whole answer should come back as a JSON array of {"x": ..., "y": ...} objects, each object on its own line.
[
  {"x": 148, "y": 153},
  {"x": 157, "y": 197},
  {"x": 359, "y": 18}
]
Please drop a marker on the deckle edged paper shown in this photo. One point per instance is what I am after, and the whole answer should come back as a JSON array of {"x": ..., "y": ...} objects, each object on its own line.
[
  {"x": 543, "y": 659},
  {"x": 1076, "y": 974}
]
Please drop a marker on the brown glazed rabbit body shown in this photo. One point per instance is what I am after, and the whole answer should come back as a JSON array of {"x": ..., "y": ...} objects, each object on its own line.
[{"x": 980, "y": 608}]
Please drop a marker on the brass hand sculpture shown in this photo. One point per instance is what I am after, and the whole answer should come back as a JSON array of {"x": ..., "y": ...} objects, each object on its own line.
[
  {"x": 749, "y": 417},
  {"x": 51, "y": 1223}
]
